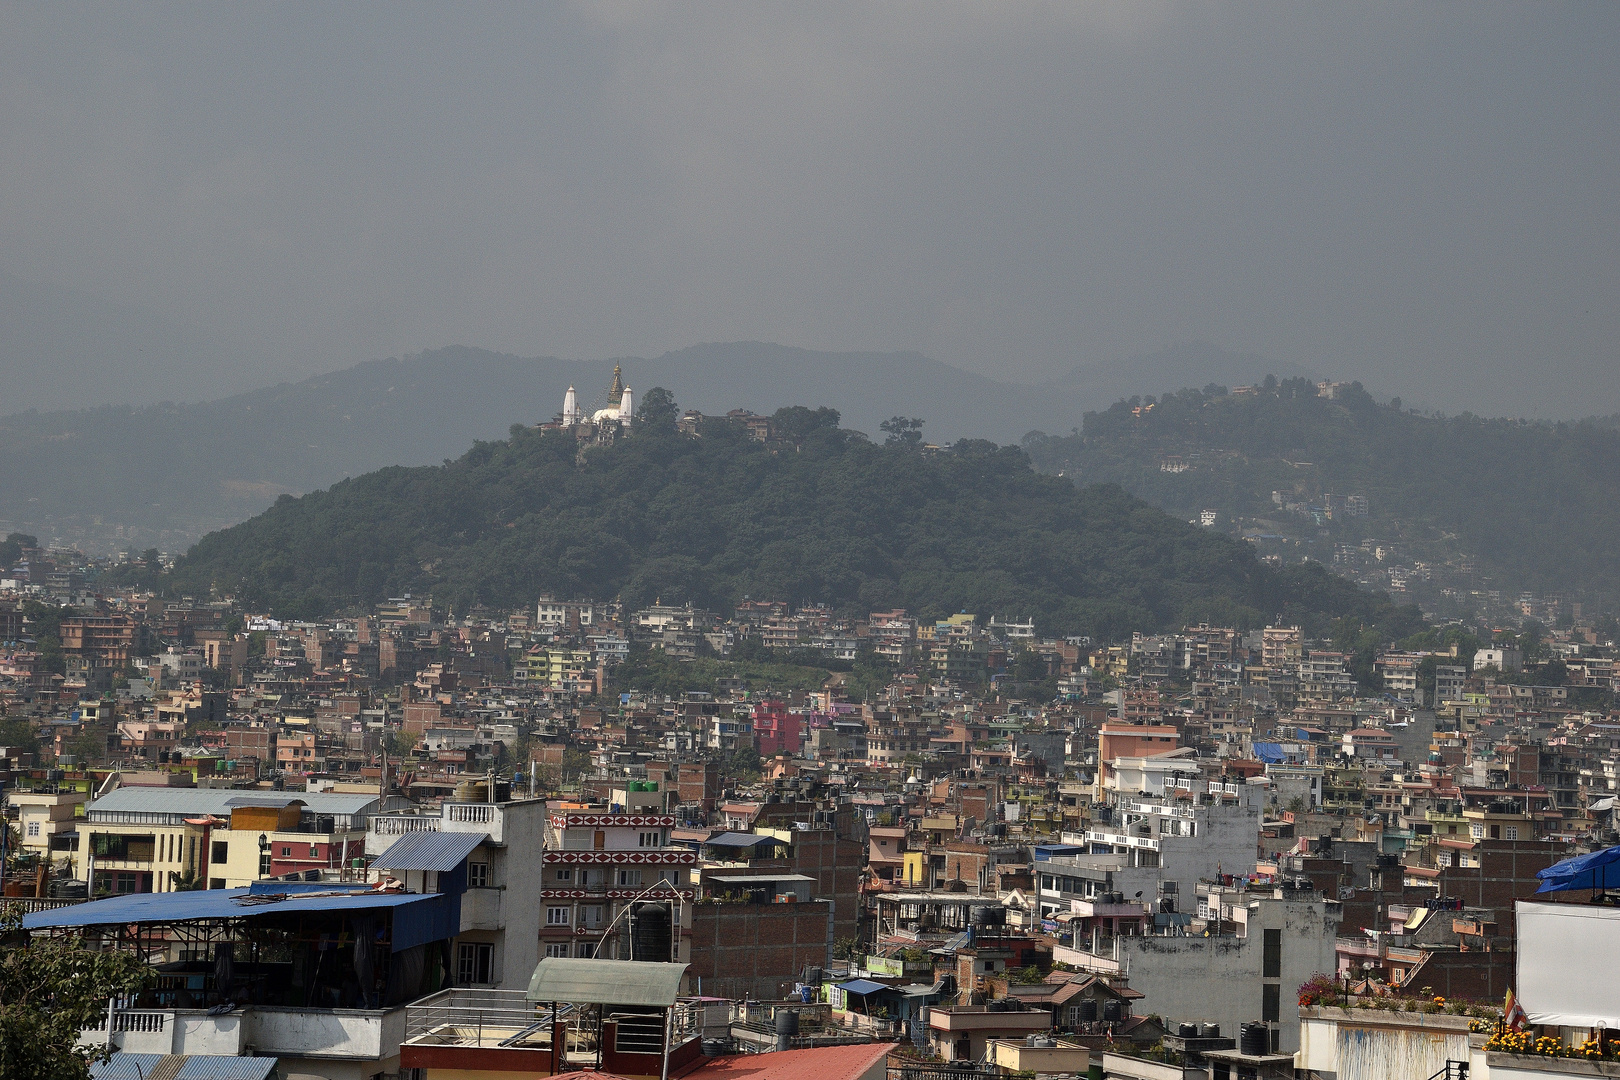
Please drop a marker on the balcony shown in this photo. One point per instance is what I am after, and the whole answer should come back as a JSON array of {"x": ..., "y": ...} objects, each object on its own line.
[
  {"x": 481, "y": 909},
  {"x": 345, "y": 1034}
]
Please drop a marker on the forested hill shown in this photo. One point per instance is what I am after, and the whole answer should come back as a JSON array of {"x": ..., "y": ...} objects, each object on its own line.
[
  {"x": 1467, "y": 505},
  {"x": 823, "y": 516}
]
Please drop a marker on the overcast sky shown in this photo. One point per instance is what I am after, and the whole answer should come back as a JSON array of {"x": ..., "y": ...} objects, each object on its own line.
[{"x": 1420, "y": 196}]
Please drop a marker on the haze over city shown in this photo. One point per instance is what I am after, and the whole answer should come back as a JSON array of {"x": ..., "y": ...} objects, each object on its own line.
[
  {"x": 1419, "y": 198},
  {"x": 817, "y": 541}
]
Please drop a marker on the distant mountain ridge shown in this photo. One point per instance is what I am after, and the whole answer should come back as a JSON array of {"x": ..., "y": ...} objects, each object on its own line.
[{"x": 166, "y": 474}]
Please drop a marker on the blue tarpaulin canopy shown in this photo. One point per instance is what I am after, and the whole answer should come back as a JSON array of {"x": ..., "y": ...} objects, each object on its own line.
[
  {"x": 1594, "y": 871},
  {"x": 1269, "y": 752}
]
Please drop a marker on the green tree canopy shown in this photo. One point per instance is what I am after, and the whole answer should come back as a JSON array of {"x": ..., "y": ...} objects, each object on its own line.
[{"x": 50, "y": 990}]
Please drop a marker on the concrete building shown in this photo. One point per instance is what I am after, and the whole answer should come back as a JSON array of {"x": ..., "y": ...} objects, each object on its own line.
[
  {"x": 1261, "y": 948},
  {"x": 1193, "y": 835},
  {"x": 497, "y": 943},
  {"x": 45, "y": 819},
  {"x": 612, "y": 884},
  {"x": 152, "y": 839}
]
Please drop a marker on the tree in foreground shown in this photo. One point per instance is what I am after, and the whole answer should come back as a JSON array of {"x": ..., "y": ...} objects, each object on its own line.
[{"x": 50, "y": 990}]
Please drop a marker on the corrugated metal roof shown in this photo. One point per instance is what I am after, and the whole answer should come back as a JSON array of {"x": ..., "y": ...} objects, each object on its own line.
[
  {"x": 126, "y": 1066},
  {"x": 862, "y": 986},
  {"x": 429, "y": 851},
  {"x": 815, "y": 1063},
  {"x": 196, "y": 801},
  {"x": 419, "y": 918},
  {"x": 606, "y": 982},
  {"x": 741, "y": 839}
]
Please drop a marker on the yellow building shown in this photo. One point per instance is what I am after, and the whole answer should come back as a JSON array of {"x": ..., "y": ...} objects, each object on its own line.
[{"x": 162, "y": 839}]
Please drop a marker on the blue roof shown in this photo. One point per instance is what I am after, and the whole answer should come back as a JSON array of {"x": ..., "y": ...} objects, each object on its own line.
[
  {"x": 1594, "y": 871},
  {"x": 862, "y": 986},
  {"x": 429, "y": 851},
  {"x": 1269, "y": 752},
  {"x": 126, "y": 1066},
  {"x": 419, "y": 918}
]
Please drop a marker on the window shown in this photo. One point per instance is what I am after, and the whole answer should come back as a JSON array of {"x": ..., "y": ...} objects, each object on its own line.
[
  {"x": 629, "y": 877},
  {"x": 648, "y": 839},
  {"x": 565, "y": 874},
  {"x": 314, "y": 852},
  {"x": 478, "y": 875},
  {"x": 1271, "y": 1002},
  {"x": 585, "y": 950},
  {"x": 558, "y": 949},
  {"x": 217, "y": 852},
  {"x": 286, "y": 851},
  {"x": 1477, "y": 831},
  {"x": 216, "y": 883},
  {"x": 264, "y": 864},
  {"x": 1512, "y": 832},
  {"x": 558, "y": 916},
  {"x": 33, "y": 828},
  {"x": 475, "y": 963},
  {"x": 1271, "y": 956},
  {"x": 127, "y": 883}
]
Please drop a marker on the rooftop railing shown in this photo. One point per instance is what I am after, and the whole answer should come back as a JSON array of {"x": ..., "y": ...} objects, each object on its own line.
[{"x": 466, "y": 1016}]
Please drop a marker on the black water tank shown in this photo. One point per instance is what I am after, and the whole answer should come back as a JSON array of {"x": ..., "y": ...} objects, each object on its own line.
[
  {"x": 1088, "y": 1011},
  {"x": 787, "y": 1026},
  {"x": 1187, "y": 1031},
  {"x": 1209, "y": 1031},
  {"x": 1254, "y": 1039},
  {"x": 1111, "y": 1010},
  {"x": 650, "y": 933}
]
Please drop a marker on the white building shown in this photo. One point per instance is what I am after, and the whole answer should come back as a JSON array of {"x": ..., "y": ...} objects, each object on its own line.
[
  {"x": 496, "y": 844},
  {"x": 1196, "y": 832},
  {"x": 1264, "y": 946}
]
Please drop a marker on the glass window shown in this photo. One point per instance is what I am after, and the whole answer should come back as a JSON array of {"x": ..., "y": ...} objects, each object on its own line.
[
  {"x": 565, "y": 873},
  {"x": 475, "y": 963},
  {"x": 1271, "y": 955},
  {"x": 558, "y": 949},
  {"x": 558, "y": 916},
  {"x": 1512, "y": 832},
  {"x": 478, "y": 875},
  {"x": 1271, "y": 1002}
]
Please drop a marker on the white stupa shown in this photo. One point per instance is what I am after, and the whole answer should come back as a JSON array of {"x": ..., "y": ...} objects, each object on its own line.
[{"x": 619, "y": 411}]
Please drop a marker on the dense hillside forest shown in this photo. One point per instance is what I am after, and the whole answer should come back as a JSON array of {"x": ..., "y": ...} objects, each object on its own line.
[
  {"x": 820, "y": 515},
  {"x": 1499, "y": 504},
  {"x": 163, "y": 475}
]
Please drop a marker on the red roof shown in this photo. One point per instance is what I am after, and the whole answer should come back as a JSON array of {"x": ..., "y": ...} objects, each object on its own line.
[{"x": 816, "y": 1063}]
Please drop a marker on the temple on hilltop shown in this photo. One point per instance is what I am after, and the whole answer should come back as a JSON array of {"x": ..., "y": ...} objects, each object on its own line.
[{"x": 599, "y": 425}]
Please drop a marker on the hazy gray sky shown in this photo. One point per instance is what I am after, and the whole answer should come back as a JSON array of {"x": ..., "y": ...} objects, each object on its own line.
[{"x": 1420, "y": 196}]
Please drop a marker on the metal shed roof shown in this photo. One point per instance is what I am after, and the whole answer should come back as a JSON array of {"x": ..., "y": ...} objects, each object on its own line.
[
  {"x": 606, "y": 982},
  {"x": 741, "y": 839},
  {"x": 195, "y": 801},
  {"x": 862, "y": 986},
  {"x": 418, "y": 918},
  {"x": 127, "y": 1066},
  {"x": 429, "y": 851}
]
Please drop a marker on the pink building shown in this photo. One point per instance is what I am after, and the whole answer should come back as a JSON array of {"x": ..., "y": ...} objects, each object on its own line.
[{"x": 776, "y": 730}]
